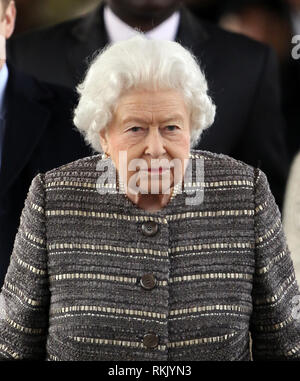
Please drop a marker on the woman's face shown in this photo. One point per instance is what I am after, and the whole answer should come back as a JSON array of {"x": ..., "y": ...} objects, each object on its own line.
[{"x": 149, "y": 125}]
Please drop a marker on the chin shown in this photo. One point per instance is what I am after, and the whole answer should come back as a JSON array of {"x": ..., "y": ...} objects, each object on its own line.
[
  {"x": 147, "y": 185},
  {"x": 153, "y": 4},
  {"x": 160, "y": 189},
  {"x": 153, "y": 8}
]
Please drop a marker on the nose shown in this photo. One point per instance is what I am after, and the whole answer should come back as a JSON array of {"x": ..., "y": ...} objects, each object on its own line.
[{"x": 154, "y": 143}]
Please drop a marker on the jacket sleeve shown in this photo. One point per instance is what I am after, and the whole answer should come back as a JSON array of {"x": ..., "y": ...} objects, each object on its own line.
[
  {"x": 275, "y": 320},
  {"x": 24, "y": 299}
]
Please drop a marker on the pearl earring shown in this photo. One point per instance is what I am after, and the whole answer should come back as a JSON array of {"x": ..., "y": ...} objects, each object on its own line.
[{"x": 105, "y": 156}]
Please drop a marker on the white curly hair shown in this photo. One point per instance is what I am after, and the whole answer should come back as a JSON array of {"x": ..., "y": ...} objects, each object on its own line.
[{"x": 141, "y": 63}]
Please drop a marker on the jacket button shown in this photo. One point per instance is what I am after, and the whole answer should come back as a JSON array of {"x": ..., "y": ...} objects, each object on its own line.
[
  {"x": 150, "y": 340},
  {"x": 148, "y": 281},
  {"x": 149, "y": 228}
]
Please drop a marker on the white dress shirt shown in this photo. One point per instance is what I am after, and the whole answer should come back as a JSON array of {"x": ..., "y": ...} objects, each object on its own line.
[
  {"x": 3, "y": 83},
  {"x": 117, "y": 30}
]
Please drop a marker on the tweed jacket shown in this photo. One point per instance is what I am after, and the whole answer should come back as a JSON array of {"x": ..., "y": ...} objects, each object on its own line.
[
  {"x": 221, "y": 270},
  {"x": 291, "y": 214}
]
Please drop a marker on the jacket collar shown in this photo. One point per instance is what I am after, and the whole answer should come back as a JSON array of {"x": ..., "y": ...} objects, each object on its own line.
[
  {"x": 26, "y": 120},
  {"x": 188, "y": 194}
]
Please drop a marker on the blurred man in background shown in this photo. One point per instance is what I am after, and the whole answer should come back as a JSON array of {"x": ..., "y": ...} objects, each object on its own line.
[
  {"x": 242, "y": 74},
  {"x": 36, "y": 135},
  {"x": 273, "y": 23}
]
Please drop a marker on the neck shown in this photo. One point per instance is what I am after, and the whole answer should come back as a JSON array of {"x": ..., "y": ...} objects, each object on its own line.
[
  {"x": 143, "y": 22},
  {"x": 150, "y": 202}
]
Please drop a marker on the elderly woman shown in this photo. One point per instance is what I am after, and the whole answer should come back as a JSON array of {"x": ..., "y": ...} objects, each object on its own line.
[{"x": 150, "y": 250}]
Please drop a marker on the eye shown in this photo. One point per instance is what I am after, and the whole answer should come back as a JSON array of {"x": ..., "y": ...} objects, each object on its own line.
[
  {"x": 135, "y": 129},
  {"x": 171, "y": 128}
]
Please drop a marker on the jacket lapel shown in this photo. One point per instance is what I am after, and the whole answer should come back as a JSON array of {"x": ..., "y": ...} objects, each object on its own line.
[
  {"x": 87, "y": 37},
  {"x": 26, "y": 120},
  {"x": 191, "y": 31}
]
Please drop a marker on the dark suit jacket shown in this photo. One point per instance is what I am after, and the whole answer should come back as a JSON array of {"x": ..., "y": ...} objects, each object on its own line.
[
  {"x": 291, "y": 99},
  {"x": 39, "y": 136},
  {"x": 242, "y": 77}
]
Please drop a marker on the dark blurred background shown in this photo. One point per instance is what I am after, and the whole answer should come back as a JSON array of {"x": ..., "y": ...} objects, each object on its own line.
[{"x": 40, "y": 13}]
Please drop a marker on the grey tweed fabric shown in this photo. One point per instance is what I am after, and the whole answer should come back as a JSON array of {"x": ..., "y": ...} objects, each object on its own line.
[{"x": 223, "y": 271}]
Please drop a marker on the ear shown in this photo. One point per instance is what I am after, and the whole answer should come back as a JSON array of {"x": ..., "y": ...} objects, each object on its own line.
[
  {"x": 104, "y": 139},
  {"x": 10, "y": 19}
]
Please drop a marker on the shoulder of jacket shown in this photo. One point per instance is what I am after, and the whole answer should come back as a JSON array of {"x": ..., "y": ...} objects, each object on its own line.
[
  {"x": 42, "y": 90},
  {"x": 214, "y": 162},
  {"x": 236, "y": 40},
  {"x": 88, "y": 163},
  {"x": 49, "y": 32}
]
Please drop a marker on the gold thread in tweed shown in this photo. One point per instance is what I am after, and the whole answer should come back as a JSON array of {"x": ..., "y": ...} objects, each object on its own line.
[
  {"x": 202, "y": 340},
  {"x": 217, "y": 245},
  {"x": 7, "y": 350},
  {"x": 265, "y": 269},
  {"x": 281, "y": 289},
  {"x": 31, "y": 331},
  {"x": 87, "y": 246},
  {"x": 293, "y": 351},
  {"x": 91, "y": 276},
  {"x": 219, "y": 307},
  {"x": 30, "y": 268},
  {"x": 269, "y": 233},
  {"x": 31, "y": 237},
  {"x": 18, "y": 292},
  {"x": 37, "y": 208},
  {"x": 83, "y": 213},
  {"x": 122, "y": 343},
  {"x": 111, "y": 310},
  {"x": 186, "y": 278},
  {"x": 275, "y": 327}
]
